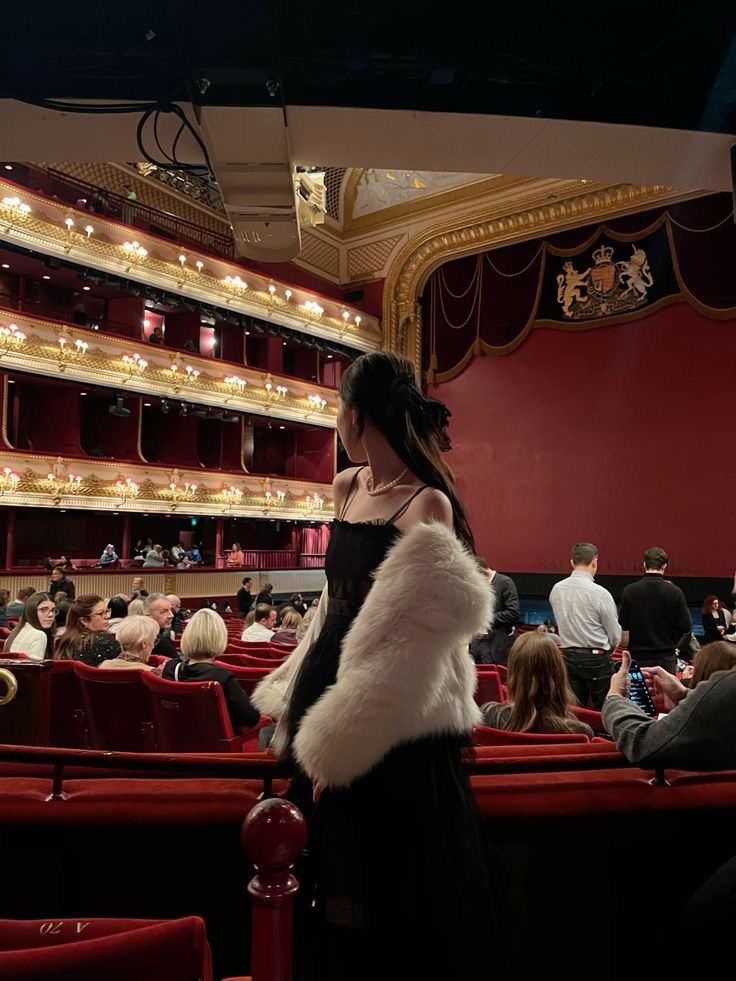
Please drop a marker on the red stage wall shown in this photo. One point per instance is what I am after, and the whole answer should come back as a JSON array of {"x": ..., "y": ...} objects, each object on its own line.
[{"x": 621, "y": 435}]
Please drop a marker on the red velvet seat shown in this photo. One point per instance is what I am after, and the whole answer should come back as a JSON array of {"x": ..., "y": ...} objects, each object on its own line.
[
  {"x": 593, "y": 718},
  {"x": 487, "y": 736},
  {"x": 16, "y": 657},
  {"x": 248, "y": 677},
  {"x": 248, "y": 661},
  {"x": 489, "y": 688},
  {"x": 116, "y": 709},
  {"x": 192, "y": 717},
  {"x": 67, "y": 726},
  {"x": 116, "y": 950}
]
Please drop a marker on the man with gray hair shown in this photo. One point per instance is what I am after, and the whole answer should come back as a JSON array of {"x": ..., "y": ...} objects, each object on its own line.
[
  {"x": 176, "y": 624},
  {"x": 586, "y": 618},
  {"x": 158, "y": 607}
]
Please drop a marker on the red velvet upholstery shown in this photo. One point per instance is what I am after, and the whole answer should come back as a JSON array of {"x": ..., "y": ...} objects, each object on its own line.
[
  {"x": 190, "y": 717},
  {"x": 116, "y": 709},
  {"x": 248, "y": 661},
  {"x": 487, "y": 736},
  {"x": 489, "y": 688},
  {"x": 15, "y": 657},
  {"x": 248, "y": 677},
  {"x": 67, "y": 726},
  {"x": 593, "y": 718},
  {"x": 114, "y": 950}
]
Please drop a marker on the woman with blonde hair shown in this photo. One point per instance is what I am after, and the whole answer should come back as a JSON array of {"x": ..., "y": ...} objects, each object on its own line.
[
  {"x": 539, "y": 693},
  {"x": 286, "y": 634},
  {"x": 136, "y": 607},
  {"x": 204, "y": 639},
  {"x": 136, "y": 636}
]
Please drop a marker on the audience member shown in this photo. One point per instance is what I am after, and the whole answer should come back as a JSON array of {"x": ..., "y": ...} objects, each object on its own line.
[
  {"x": 136, "y": 607},
  {"x": 286, "y": 634},
  {"x": 493, "y": 647},
  {"x": 235, "y": 558},
  {"x": 265, "y": 595},
  {"x": 653, "y": 615},
  {"x": 177, "y": 615},
  {"x": 157, "y": 336},
  {"x": 306, "y": 621},
  {"x": 715, "y": 623},
  {"x": 699, "y": 733},
  {"x": 65, "y": 563},
  {"x": 60, "y": 583},
  {"x": 177, "y": 552},
  {"x": 586, "y": 618},
  {"x": 244, "y": 597},
  {"x": 34, "y": 634},
  {"x": 142, "y": 548},
  {"x": 539, "y": 694},
  {"x": 86, "y": 638},
  {"x": 263, "y": 624},
  {"x": 204, "y": 639},
  {"x": 136, "y": 636},
  {"x": 15, "y": 608},
  {"x": 716, "y": 656},
  {"x": 158, "y": 607},
  {"x": 195, "y": 556},
  {"x": 547, "y": 627},
  {"x": 297, "y": 603},
  {"x": 118, "y": 607},
  {"x": 4, "y": 600},
  {"x": 154, "y": 558},
  {"x": 62, "y": 608},
  {"x": 109, "y": 556}
]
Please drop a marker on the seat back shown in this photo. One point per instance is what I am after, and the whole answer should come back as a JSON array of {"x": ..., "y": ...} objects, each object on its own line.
[
  {"x": 115, "y": 708},
  {"x": 248, "y": 677},
  {"x": 67, "y": 726},
  {"x": 489, "y": 688},
  {"x": 248, "y": 661},
  {"x": 189, "y": 716},
  {"x": 487, "y": 736},
  {"x": 593, "y": 718}
]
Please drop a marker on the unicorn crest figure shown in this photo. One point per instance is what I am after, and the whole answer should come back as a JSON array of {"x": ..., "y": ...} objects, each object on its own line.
[{"x": 636, "y": 274}]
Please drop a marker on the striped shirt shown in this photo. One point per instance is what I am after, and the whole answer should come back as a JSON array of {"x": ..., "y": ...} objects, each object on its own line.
[{"x": 585, "y": 613}]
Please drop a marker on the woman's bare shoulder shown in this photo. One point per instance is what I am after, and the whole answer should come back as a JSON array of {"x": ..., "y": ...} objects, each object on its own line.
[
  {"x": 431, "y": 505},
  {"x": 341, "y": 483}
]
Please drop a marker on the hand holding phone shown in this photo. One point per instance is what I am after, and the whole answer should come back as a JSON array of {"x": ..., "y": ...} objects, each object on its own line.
[{"x": 639, "y": 690}]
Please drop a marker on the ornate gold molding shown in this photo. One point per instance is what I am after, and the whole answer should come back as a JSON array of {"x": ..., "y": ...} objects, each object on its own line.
[
  {"x": 552, "y": 209},
  {"x": 157, "y": 262},
  {"x": 47, "y": 481},
  {"x": 214, "y": 384}
]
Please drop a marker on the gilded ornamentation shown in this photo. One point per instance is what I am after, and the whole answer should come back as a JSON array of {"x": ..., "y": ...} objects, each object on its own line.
[{"x": 576, "y": 203}]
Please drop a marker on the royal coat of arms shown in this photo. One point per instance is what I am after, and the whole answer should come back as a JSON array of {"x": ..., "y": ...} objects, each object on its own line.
[{"x": 606, "y": 287}]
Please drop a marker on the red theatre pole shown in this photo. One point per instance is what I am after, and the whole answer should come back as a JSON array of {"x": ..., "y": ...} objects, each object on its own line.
[
  {"x": 10, "y": 540},
  {"x": 219, "y": 529},
  {"x": 125, "y": 544},
  {"x": 273, "y": 834}
]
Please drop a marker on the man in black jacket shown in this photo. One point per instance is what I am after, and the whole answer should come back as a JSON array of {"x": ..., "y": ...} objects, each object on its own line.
[
  {"x": 158, "y": 607},
  {"x": 60, "y": 583},
  {"x": 245, "y": 598},
  {"x": 654, "y": 615},
  {"x": 493, "y": 647}
]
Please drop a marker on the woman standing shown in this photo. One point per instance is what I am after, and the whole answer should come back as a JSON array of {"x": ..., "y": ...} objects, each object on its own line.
[
  {"x": 376, "y": 705},
  {"x": 714, "y": 620},
  {"x": 86, "y": 638},
  {"x": 34, "y": 634}
]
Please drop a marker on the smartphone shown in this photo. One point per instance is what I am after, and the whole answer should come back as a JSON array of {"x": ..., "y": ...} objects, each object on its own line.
[{"x": 639, "y": 691}]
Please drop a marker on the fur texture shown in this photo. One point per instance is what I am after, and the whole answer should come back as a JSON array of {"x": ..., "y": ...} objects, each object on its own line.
[{"x": 405, "y": 671}]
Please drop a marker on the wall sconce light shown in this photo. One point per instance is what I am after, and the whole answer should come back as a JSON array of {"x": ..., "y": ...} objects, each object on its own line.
[
  {"x": 88, "y": 229},
  {"x": 9, "y": 481},
  {"x": 126, "y": 489},
  {"x": 134, "y": 251},
  {"x": 10, "y": 338},
  {"x": 317, "y": 402},
  {"x": 200, "y": 265},
  {"x": 235, "y": 384},
  {"x": 59, "y": 486},
  {"x": 14, "y": 210},
  {"x": 179, "y": 493},
  {"x": 288, "y": 294},
  {"x": 313, "y": 307},
  {"x": 134, "y": 364},
  {"x": 232, "y": 495}
]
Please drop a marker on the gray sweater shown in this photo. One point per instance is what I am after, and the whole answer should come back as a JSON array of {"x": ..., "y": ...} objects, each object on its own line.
[{"x": 698, "y": 734}]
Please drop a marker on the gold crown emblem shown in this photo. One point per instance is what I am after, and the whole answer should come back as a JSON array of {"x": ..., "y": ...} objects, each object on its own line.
[{"x": 603, "y": 254}]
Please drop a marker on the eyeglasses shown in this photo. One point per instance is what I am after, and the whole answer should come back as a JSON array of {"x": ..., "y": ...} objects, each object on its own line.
[
  {"x": 47, "y": 609},
  {"x": 100, "y": 613}
]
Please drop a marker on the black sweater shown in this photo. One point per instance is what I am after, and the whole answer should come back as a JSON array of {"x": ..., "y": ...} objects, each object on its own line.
[
  {"x": 655, "y": 613},
  {"x": 239, "y": 707}
]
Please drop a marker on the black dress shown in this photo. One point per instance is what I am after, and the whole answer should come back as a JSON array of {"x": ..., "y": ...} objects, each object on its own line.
[
  {"x": 711, "y": 625},
  {"x": 395, "y": 861}
]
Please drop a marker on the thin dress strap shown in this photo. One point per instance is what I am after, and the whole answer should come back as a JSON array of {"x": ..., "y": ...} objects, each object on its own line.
[
  {"x": 352, "y": 489},
  {"x": 397, "y": 514}
]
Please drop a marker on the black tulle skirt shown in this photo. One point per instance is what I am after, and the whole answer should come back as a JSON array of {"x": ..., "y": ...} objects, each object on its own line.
[{"x": 394, "y": 881}]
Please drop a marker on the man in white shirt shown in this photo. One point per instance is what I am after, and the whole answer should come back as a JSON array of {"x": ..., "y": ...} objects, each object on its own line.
[
  {"x": 262, "y": 627},
  {"x": 587, "y": 620}
]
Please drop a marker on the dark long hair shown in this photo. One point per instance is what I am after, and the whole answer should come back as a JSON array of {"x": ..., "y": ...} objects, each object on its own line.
[
  {"x": 75, "y": 632},
  {"x": 381, "y": 386},
  {"x": 29, "y": 615}
]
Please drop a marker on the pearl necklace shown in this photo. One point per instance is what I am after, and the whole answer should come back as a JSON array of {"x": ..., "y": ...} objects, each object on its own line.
[{"x": 382, "y": 488}]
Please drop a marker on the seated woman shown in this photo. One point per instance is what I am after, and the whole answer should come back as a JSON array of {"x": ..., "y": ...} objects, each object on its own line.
[
  {"x": 236, "y": 558},
  {"x": 34, "y": 634},
  {"x": 4, "y": 600},
  {"x": 109, "y": 556},
  {"x": 539, "y": 694},
  {"x": 136, "y": 636},
  {"x": 118, "y": 607},
  {"x": 716, "y": 656},
  {"x": 86, "y": 638},
  {"x": 286, "y": 634},
  {"x": 203, "y": 640}
]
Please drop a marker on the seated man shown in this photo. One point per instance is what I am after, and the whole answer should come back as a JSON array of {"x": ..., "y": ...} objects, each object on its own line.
[
  {"x": 698, "y": 734},
  {"x": 262, "y": 627}
]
